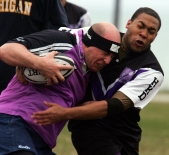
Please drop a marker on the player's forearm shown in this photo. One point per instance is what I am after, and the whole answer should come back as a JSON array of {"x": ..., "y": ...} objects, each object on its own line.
[
  {"x": 16, "y": 54},
  {"x": 94, "y": 110},
  {"x": 97, "y": 109}
]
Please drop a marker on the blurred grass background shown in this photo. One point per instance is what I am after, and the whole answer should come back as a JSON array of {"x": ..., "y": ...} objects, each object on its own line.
[{"x": 155, "y": 135}]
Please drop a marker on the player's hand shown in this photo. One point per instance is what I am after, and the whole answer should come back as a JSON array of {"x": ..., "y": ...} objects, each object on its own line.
[
  {"x": 48, "y": 67},
  {"x": 52, "y": 115},
  {"x": 19, "y": 75}
]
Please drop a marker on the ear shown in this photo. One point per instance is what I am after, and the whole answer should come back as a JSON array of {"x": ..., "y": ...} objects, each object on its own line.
[{"x": 128, "y": 23}]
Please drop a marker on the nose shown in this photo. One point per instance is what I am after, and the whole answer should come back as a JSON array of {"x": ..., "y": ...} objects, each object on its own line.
[
  {"x": 144, "y": 33},
  {"x": 108, "y": 59}
]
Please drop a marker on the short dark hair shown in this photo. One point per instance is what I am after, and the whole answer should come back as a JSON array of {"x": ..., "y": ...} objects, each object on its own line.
[{"x": 148, "y": 11}]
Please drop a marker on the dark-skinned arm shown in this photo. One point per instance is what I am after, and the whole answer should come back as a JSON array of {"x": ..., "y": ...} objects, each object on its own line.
[{"x": 89, "y": 110}]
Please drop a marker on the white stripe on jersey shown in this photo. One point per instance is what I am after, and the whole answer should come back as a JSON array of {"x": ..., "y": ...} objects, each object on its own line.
[
  {"x": 52, "y": 47},
  {"x": 102, "y": 84}
]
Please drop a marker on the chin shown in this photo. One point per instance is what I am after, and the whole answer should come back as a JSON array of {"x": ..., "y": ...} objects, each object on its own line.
[
  {"x": 97, "y": 70},
  {"x": 94, "y": 70},
  {"x": 136, "y": 50}
]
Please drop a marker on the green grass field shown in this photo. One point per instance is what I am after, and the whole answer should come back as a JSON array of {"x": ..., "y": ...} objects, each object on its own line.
[
  {"x": 155, "y": 126},
  {"x": 155, "y": 135}
]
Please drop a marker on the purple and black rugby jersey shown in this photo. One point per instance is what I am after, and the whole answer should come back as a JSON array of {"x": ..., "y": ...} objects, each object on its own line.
[
  {"x": 139, "y": 76},
  {"x": 22, "y": 100}
]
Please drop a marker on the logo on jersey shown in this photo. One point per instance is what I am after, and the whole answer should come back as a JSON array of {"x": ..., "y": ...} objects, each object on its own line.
[
  {"x": 126, "y": 75},
  {"x": 23, "y": 7},
  {"x": 20, "y": 39},
  {"x": 114, "y": 48},
  {"x": 23, "y": 147},
  {"x": 150, "y": 87}
]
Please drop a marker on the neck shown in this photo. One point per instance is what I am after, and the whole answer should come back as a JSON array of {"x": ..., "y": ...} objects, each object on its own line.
[
  {"x": 123, "y": 45},
  {"x": 63, "y": 2}
]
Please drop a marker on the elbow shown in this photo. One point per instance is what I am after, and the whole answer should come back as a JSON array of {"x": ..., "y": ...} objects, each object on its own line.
[{"x": 3, "y": 54}]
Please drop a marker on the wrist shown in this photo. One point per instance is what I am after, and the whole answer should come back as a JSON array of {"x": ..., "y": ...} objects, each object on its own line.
[{"x": 115, "y": 106}]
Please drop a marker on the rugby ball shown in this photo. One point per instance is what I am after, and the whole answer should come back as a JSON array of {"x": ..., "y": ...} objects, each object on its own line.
[{"x": 35, "y": 77}]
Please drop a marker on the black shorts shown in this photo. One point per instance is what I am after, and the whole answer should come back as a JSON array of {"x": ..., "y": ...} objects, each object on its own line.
[
  {"x": 94, "y": 142},
  {"x": 104, "y": 136}
]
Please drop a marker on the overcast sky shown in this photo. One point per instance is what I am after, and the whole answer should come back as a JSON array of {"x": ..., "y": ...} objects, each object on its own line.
[{"x": 103, "y": 10}]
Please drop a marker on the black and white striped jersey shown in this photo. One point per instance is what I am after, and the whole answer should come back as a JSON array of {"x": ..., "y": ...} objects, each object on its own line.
[{"x": 139, "y": 76}]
